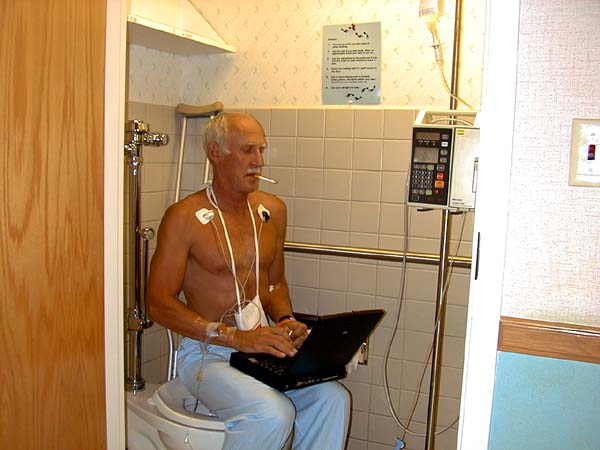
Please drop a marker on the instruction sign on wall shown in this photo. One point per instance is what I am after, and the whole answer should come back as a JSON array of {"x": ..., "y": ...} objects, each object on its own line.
[{"x": 352, "y": 64}]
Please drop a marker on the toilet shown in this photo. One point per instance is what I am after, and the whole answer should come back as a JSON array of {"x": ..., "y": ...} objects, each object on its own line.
[{"x": 157, "y": 420}]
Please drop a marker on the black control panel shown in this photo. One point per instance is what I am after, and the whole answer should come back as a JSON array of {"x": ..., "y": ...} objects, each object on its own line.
[{"x": 430, "y": 166}]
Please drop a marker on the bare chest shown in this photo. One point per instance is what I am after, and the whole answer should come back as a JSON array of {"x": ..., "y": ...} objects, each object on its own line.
[{"x": 234, "y": 246}]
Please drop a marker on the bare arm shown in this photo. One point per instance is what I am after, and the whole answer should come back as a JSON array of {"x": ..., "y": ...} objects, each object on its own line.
[{"x": 167, "y": 272}]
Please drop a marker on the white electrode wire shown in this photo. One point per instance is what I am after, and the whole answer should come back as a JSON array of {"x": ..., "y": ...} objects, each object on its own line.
[
  {"x": 406, "y": 428},
  {"x": 210, "y": 194},
  {"x": 242, "y": 286}
]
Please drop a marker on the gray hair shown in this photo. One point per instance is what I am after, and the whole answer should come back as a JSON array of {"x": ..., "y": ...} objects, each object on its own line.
[{"x": 216, "y": 130}]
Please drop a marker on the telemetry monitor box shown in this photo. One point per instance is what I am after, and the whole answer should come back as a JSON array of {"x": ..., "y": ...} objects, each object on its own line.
[{"x": 444, "y": 158}]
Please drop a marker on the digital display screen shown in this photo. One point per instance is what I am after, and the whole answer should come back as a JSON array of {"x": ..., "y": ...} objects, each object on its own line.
[
  {"x": 427, "y": 136},
  {"x": 425, "y": 155}
]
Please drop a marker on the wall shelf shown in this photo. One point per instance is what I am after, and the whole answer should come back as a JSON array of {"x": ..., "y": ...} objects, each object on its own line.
[{"x": 173, "y": 26}]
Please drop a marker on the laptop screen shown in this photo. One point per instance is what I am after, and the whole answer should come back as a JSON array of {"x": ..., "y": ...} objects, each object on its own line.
[{"x": 334, "y": 339}]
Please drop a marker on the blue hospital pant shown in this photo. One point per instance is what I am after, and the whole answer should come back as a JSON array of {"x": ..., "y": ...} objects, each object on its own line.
[{"x": 256, "y": 414}]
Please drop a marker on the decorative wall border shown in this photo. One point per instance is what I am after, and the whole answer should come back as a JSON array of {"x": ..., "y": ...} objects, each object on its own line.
[{"x": 550, "y": 339}]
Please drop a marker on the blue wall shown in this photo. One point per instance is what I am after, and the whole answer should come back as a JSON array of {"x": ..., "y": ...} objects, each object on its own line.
[{"x": 545, "y": 404}]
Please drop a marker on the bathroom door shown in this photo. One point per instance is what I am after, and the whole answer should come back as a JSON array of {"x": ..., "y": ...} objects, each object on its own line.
[{"x": 52, "y": 392}]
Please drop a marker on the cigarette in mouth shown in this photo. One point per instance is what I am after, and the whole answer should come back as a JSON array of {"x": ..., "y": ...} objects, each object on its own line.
[{"x": 262, "y": 177}]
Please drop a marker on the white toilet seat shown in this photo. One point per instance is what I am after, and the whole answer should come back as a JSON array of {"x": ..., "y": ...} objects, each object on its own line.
[
  {"x": 157, "y": 420},
  {"x": 169, "y": 400}
]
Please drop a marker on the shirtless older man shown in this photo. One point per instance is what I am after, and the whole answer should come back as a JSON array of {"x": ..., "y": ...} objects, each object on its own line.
[{"x": 223, "y": 246}]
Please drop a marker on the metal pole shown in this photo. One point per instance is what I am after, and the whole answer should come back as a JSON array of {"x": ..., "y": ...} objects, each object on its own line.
[
  {"x": 134, "y": 380},
  {"x": 136, "y": 316},
  {"x": 438, "y": 332}
]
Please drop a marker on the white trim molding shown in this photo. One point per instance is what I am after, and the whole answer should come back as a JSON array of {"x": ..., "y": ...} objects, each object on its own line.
[
  {"x": 114, "y": 119},
  {"x": 491, "y": 219}
]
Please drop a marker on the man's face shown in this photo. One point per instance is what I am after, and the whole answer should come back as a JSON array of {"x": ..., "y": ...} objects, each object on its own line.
[{"x": 246, "y": 143}]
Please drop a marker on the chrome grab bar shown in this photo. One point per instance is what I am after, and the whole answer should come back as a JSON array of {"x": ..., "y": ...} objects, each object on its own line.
[{"x": 374, "y": 253}]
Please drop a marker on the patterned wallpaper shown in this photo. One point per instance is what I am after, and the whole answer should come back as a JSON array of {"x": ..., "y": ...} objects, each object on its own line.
[
  {"x": 553, "y": 246},
  {"x": 279, "y": 51}
]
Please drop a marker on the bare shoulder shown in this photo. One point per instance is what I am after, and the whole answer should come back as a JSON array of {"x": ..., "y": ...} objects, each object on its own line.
[
  {"x": 277, "y": 208},
  {"x": 180, "y": 215}
]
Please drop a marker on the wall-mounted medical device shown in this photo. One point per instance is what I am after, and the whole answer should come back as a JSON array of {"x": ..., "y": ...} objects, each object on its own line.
[{"x": 443, "y": 168}]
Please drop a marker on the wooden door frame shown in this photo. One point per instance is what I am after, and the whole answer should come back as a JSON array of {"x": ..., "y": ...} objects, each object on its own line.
[{"x": 114, "y": 124}]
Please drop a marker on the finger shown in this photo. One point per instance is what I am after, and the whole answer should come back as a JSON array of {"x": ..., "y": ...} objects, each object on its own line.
[
  {"x": 273, "y": 351},
  {"x": 299, "y": 331},
  {"x": 300, "y": 328},
  {"x": 278, "y": 350},
  {"x": 285, "y": 332},
  {"x": 285, "y": 345},
  {"x": 274, "y": 341},
  {"x": 300, "y": 340}
]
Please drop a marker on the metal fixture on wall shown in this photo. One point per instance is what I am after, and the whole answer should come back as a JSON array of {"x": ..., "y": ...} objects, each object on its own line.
[{"x": 136, "y": 317}]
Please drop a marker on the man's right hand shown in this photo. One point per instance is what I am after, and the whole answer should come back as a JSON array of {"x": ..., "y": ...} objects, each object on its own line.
[{"x": 272, "y": 340}]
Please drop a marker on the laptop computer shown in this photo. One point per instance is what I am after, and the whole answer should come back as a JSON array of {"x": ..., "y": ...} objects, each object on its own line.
[{"x": 332, "y": 342}]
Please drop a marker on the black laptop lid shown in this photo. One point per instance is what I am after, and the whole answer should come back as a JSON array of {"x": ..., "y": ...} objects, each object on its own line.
[{"x": 334, "y": 339}]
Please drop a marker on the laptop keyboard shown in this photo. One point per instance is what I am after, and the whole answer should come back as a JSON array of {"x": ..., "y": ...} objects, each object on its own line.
[{"x": 272, "y": 366}]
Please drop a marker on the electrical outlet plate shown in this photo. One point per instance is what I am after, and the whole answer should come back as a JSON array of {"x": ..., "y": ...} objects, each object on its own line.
[
  {"x": 584, "y": 171},
  {"x": 363, "y": 353}
]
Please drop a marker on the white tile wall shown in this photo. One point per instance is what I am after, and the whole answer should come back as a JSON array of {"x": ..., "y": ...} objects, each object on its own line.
[
  {"x": 336, "y": 215},
  {"x": 310, "y": 152},
  {"x": 311, "y": 122},
  {"x": 366, "y": 186},
  {"x": 309, "y": 183},
  {"x": 338, "y": 154},
  {"x": 331, "y": 302},
  {"x": 307, "y": 213},
  {"x": 367, "y": 154},
  {"x": 398, "y": 123},
  {"x": 393, "y": 187},
  {"x": 364, "y": 240},
  {"x": 337, "y": 184},
  {"x": 339, "y": 123},
  {"x": 284, "y": 122},
  {"x": 282, "y": 151},
  {"x": 342, "y": 175},
  {"x": 368, "y": 123},
  {"x": 396, "y": 155}
]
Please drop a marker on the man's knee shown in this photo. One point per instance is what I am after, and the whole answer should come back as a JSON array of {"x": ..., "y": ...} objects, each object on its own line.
[
  {"x": 337, "y": 396},
  {"x": 268, "y": 419},
  {"x": 279, "y": 412}
]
